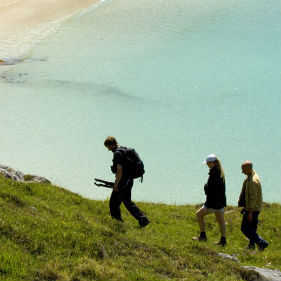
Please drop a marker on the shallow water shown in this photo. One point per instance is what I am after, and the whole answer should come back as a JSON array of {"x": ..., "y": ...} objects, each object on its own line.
[{"x": 176, "y": 81}]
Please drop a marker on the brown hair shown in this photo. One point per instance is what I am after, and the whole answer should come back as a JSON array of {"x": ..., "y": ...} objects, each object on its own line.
[{"x": 110, "y": 141}]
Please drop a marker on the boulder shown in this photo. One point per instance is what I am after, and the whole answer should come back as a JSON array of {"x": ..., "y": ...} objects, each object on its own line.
[
  {"x": 11, "y": 173},
  {"x": 19, "y": 176},
  {"x": 34, "y": 178},
  {"x": 265, "y": 274}
]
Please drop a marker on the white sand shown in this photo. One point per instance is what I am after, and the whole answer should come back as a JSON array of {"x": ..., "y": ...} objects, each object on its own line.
[{"x": 25, "y": 22}]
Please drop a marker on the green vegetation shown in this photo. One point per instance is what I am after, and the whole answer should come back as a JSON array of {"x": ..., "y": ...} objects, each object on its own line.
[
  {"x": 49, "y": 233},
  {"x": 28, "y": 177}
]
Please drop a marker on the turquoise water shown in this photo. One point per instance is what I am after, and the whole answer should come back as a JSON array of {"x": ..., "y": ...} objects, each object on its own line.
[{"x": 176, "y": 80}]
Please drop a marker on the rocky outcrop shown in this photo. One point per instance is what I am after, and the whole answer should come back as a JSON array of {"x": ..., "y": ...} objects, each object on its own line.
[
  {"x": 262, "y": 274},
  {"x": 265, "y": 274},
  {"x": 19, "y": 176}
]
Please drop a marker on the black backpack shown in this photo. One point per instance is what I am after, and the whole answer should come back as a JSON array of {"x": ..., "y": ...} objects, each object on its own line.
[{"x": 133, "y": 165}]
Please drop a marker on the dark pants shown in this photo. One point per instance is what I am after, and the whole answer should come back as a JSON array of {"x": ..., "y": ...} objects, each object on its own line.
[
  {"x": 124, "y": 195},
  {"x": 249, "y": 229}
]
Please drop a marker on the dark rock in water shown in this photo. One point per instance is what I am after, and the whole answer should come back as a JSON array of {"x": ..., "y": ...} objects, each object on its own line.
[
  {"x": 265, "y": 274},
  {"x": 19, "y": 176},
  {"x": 9, "y": 61},
  {"x": 15, "y": 77},
  {"x": 12, "y": 61}
]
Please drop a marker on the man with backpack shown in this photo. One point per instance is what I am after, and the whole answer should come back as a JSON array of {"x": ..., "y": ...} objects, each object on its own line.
[{"x": 126, "y": 166}]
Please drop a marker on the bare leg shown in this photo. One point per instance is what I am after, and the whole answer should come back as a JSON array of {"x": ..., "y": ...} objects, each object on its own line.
[
  {"x": 220, "y": 220},
  {"x": 200, "y": 214}
]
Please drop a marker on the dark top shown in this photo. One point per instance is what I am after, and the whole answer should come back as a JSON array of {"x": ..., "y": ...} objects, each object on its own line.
[
  {"x": 118, "y": 158},
  {"x": 215, "y": 190}
]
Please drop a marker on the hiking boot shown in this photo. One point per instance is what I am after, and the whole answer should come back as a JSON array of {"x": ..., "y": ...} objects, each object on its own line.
[
  {"x": 144, "y": 223},
  {"x": 262, "y": 246},
  {"x": 222, "y": 242},
  {"x": 251, "y": 246},
  {"x": 200, "y": 238}
]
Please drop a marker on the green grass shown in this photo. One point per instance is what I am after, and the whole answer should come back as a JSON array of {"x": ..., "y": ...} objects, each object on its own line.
[{"x": 49, "y": 233}]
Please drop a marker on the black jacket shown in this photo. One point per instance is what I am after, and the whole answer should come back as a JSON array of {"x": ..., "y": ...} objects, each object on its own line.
[{"x": 215, "y": 190}]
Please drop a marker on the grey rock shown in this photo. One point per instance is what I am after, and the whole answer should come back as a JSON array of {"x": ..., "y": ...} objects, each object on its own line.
[
  {"x": 10, "y": 173},
  {"x": 229, "y": 257},
  {"x": 34, "y": 178},
  {"x": 33, "y": 209},
  {"x": 265, "y": 274}
]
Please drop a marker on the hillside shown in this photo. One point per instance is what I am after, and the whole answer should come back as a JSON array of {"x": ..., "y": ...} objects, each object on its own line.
[{"x": 49, "y": 233}]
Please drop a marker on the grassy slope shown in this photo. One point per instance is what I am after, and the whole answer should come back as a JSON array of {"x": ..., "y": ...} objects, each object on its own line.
[{"x": 68, "y": 237}]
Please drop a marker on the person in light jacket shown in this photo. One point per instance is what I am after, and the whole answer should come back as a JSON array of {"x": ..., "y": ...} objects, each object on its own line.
[{"x": 251, "y": 200}]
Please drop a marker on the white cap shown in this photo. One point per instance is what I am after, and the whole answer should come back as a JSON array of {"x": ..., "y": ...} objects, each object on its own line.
[{"x": 210, "y": 158}]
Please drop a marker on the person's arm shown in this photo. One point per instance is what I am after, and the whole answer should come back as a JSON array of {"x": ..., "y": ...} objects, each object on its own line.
[
  {"x": 252, "y": 186},
  {"x": 250, "y": 215},
  {"x": 118, "y": 177},
  {"x": 241, "y": 200},
  {"x": 209, "y": 185}
]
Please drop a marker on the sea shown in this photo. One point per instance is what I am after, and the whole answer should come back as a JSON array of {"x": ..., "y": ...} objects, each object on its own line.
[{"x": 176, "y": 80}]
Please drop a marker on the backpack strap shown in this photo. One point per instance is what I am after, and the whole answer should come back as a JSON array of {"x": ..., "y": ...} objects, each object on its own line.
[{"x": 123, "y": 150}]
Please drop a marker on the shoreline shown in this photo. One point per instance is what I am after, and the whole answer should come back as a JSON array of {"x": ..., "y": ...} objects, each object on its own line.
[{"x": 24, "y": 23}]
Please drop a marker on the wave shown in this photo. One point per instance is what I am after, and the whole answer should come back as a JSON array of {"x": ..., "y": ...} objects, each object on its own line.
[{"x": 17, "y": 41}]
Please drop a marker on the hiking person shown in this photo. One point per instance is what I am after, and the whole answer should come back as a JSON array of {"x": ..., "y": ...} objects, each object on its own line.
[
  {"x": 123, "y": 182},
  {"x": 216, "y": 199},
  {"x": 251, "y": 200}
]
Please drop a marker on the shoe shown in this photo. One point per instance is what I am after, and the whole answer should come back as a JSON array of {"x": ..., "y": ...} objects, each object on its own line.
[
  {"x": 200, "y": 238},
  {"x": 144, "y": 223},
  {"x": 251, "y": 246},
  {"x": 263, "y": 245},
  {"x": 222, "y": 242}
]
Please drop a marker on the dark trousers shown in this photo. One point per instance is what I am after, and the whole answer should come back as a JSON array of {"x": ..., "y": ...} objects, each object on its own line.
[
  {"x": 124, "y": 195},
  {"x": 249, "y": 229}
]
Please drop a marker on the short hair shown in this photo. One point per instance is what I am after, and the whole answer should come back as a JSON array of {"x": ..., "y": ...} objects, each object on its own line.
[
  {"x": 248, "y": 164},
  {"x": 110, "y": 141}
]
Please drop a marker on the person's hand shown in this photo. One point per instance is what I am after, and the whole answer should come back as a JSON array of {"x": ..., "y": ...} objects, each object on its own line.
[
  {"x": 243, "y": 211},
  {"x": 115, "y": 188},
  {"x": 250, "y": 217}
]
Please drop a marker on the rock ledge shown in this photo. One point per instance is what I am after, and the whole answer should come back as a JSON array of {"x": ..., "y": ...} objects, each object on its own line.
[
  {"x": 19, "y": 176},
  {"x": 266, "y": 274}
]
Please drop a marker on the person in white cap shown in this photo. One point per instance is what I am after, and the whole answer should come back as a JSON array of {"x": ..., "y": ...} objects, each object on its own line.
[{"x": 215, "y": 201}]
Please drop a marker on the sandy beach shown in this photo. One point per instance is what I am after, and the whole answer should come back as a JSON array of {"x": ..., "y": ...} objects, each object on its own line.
[{"x": 23, "y": 23}]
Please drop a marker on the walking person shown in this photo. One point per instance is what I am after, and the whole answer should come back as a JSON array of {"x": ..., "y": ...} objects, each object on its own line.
[
  {"x": 215, "y": 201},
  {"x": 123, "y": 184},
  {"x": 251, "y": 200}
]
